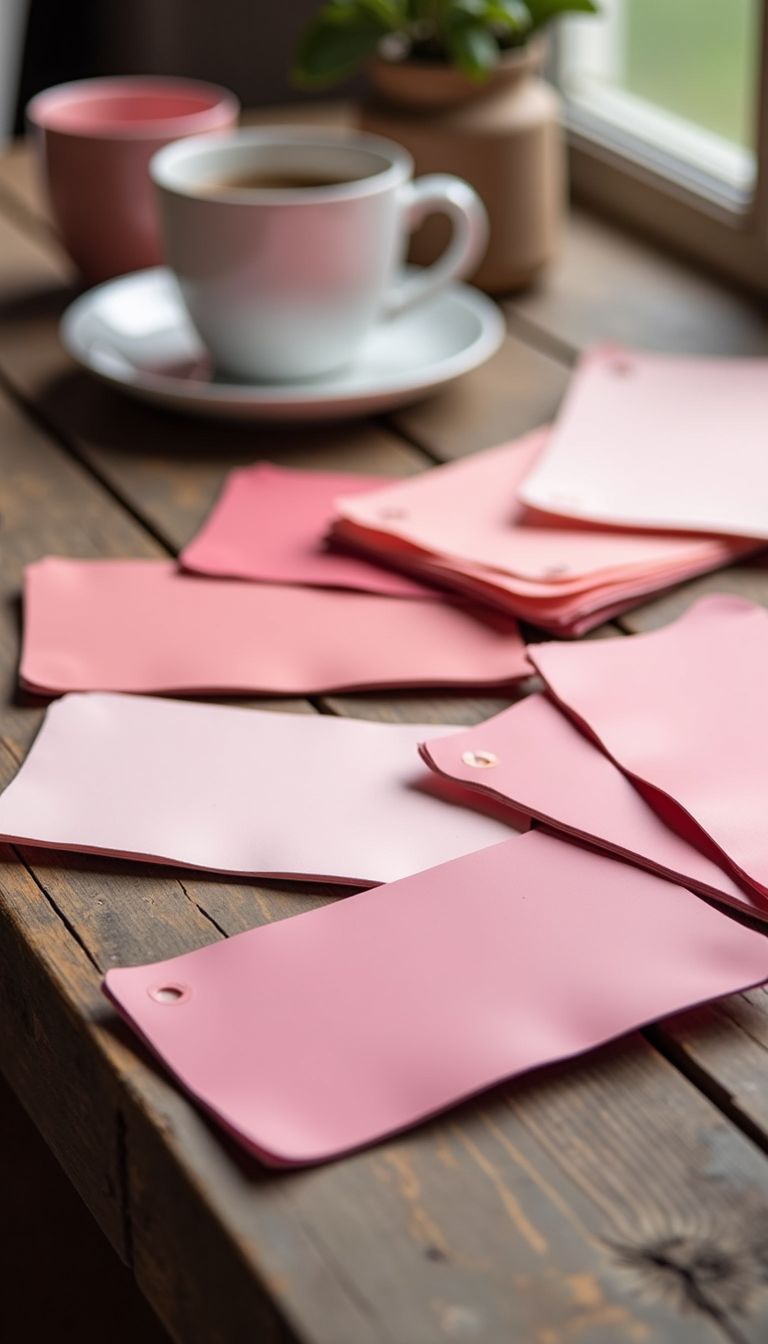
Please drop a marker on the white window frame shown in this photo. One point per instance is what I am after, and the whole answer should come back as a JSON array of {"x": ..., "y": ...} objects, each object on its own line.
[{"x": 698, "y": 194}]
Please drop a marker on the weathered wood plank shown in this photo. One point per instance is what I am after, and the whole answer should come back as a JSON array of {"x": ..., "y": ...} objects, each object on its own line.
[
  {"x": 559, "y": 1235},
  {"x": 53, "y": 1050},
  {"x": 517, "y": 390},
  {"x": 749, "y": 580},
  {"x": 421, "y": 707},
  {"x": 725, "y": 1049},
  {"x": 313, "y": 1235},
  {"x": 608, "y": 285},
  {"x": 97, "y": 1100}
]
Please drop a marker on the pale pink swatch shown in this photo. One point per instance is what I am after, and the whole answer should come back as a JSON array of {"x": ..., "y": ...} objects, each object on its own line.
[
  {"x": 141, "y": 625},
  {"x": 330, "y": 1030},
  {"x": 462, "y": 525},
  {"x": 239, "y": 791},
  {"x": 659, "y": 441},
  {"x": 270, "y": 524},
  {"x": 683, "y": 711},
  {"x": 533, "y": 757}
]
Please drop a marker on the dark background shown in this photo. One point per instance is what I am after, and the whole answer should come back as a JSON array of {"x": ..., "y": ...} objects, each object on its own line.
[{"x": 244, "y": 44}]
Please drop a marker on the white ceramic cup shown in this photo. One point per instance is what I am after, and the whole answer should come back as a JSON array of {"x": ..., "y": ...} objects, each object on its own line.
[{"x": 284, "y": 282}]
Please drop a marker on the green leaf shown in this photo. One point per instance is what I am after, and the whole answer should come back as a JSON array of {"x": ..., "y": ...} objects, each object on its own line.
[
  {"x": 510, "y": 15},
  {"x": 504, "y": 18},
  {"x": 543, "y": 11},
  {"x": 473, "y": 48},
  {"x": 335, "y": 44}
]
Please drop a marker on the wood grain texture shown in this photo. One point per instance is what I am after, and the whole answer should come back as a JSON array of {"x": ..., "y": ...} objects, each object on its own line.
[
  {"x": 607, "y": 285},
  {"x": 606, "y": 1201},
  {"x": 749, "y": 580},
  {"x": 518, "y": 390}
]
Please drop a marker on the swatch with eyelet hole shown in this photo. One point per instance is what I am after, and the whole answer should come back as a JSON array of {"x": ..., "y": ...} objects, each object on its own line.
[
  {"x": 534, "y": 758},
  {"x": 322, "y": 1033},
  {"x": 269, "y": 525},
  {"x": 242, "y": 791},
  {"x": 142, "y": 626},
  {"x": 462, "y": 525},
  {"x": 682, "y": 711},
  {"x": 661, "y": 442}
]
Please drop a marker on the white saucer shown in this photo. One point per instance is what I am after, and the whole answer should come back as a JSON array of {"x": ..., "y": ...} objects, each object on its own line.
[{"x": 134, "y": 334}]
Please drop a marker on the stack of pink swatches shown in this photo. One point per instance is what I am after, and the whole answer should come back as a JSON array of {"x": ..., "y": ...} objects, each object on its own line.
[
  {"x": 654, "y": 471},
  {"x": 486, "y": 948}
]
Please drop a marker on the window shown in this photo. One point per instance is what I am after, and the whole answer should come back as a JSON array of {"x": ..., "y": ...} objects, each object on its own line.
[{"x": 667, "y": 108}]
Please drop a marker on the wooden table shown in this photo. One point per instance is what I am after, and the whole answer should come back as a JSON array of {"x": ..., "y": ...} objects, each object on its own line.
[{"x": 620, "y": 1198}]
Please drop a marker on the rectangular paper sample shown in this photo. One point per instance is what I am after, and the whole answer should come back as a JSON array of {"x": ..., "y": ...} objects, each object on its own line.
[
  {"x": 332, "y": 1029},
  {"x": 239, "y": 791},
  {"x": 534, "y": 757},
  {"x": 141, "y": 625},
  {"x": 682, "y": 711},
  {"x": 659, "y": 441},
  {"x": 463, "y": 526},
  {"x": 270, "y": 523}
]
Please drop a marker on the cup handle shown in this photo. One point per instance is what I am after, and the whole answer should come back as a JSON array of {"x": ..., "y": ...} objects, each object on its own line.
[{"x": 440, "y": 192}]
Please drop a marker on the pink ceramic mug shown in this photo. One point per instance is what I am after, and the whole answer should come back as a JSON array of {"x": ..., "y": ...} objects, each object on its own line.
[{"x": 96, "y": 138}]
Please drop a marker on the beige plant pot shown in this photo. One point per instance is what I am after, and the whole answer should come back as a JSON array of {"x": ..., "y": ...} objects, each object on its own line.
[{"x": 503, "y": 136}]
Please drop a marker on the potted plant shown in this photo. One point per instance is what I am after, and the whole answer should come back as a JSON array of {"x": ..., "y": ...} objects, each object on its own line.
[{"x": 458, "y": 83}]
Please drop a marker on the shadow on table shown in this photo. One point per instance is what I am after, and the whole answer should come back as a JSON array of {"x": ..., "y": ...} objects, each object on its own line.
[
  {"x": 60, "y": 1278},
  {"x": 83, "y": 409}
]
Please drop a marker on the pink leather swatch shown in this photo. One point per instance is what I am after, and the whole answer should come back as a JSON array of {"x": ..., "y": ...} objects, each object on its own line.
[
  {"x": 330, "y": 1030},
  {"x": 659, "y": 441},
  {"x": 239, "y": 791},
  {"x": 462, "y": 525},
  {"x": 683, "y": 711},
  {"x": 533, "y": 757},
  {"x": 141, "y": 625},
  {"x": 270, "y": 524}
]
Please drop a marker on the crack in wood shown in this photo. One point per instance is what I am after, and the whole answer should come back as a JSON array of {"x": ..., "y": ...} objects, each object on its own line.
[
  {"x": 706, "y": 1083},
  {"x": 68, "y": 925},
  {"x": 546, "y": 342},
  {"x": 12, "y": 749},
  {"x": 201, "y": 910},
  {"x": 124, "y": 1190},
  {"x": 389, "y": 423}
]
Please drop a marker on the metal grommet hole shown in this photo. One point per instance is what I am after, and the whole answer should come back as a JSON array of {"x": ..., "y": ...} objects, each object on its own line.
[
  {"x": 169, "y": 994},
  {"x": 481, "y": 760}
]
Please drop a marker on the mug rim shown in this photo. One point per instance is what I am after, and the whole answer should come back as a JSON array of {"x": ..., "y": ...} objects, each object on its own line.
[
  {"x": 399, "y": 165},
  {"x": 41, "y": 110}
]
